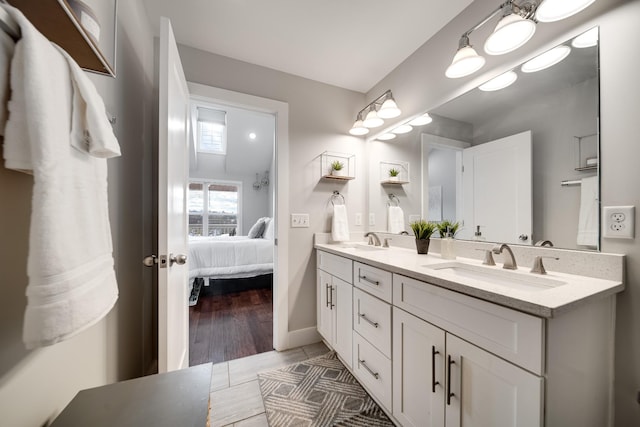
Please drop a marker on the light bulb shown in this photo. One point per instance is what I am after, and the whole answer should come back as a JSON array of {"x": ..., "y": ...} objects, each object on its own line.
[
  {"x": 555, "y": 10},
  {"x": 358, "y": 129},
  {"x": 389, "y": 109},
  {"x": 466, "y": 61},
  {"x": 372, "y": 120}
]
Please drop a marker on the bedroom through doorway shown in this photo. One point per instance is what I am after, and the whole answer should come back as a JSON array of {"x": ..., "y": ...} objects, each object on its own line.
[{"x": 231, "y": 231}]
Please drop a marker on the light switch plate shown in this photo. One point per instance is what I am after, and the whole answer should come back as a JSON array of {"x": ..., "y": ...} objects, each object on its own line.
[
  {"x": 358, "y": 220},
  {"x": 299, "y": 220},
  {"x": 372, "y": 219},
  {"x": 618, "y": 222}
]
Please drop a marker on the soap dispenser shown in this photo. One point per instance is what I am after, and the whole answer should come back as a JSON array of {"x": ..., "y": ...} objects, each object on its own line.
[
  {"x": 447, "y": 246},
  {"x": 478, "y": 235}
]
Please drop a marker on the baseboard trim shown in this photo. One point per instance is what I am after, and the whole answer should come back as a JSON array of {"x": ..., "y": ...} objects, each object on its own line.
[{"x": 305, "y": 336}]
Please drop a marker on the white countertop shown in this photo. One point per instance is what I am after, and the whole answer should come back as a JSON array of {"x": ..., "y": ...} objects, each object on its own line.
[{"x": 546, "y": 302}]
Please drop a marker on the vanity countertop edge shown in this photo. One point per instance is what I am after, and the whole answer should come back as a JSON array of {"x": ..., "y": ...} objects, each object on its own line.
[{"x": 549, "y": 303}]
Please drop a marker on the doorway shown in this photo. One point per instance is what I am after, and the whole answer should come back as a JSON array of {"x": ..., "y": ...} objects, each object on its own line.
[{"x": 248, "y": 309}]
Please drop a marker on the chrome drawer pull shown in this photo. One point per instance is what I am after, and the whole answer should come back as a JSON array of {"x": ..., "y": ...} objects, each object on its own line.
[
  {"x": 328, "y": 297},
  {"x": 366, "y": 279},
  {"x": 374, "y": 374},
  {"x": 364, "y": 317}
]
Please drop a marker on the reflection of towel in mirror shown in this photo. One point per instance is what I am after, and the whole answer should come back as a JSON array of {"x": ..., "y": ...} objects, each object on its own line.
[
  {"x": 339, "y": 224},
  {"x": 395, "y": 219},
  {"x": 588, "y": 216}
]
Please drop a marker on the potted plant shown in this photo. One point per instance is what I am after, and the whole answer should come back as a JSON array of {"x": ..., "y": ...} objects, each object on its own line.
[
  {"x": 447, "y": 227},
  {"x": 423, "y": 230},
  {"x": 394, "y": 174},
  {"x": 337, "y": 168}
]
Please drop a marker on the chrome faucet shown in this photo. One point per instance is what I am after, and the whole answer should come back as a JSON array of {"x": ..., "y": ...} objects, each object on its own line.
[
  {"x": 373, "y": 238},
  {"x": 509, "y": 259},
  {"x": 546, "y": 243},
  {"x": 404, "y": 233},
  {"x": 538, "y": 267}
]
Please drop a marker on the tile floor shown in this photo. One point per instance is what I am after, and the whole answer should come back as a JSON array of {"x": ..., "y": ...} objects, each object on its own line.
[{"x": 235, "y": 395}]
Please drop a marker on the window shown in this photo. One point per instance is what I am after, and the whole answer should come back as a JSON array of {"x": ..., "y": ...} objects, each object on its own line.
[
  {"x": 222, "y": 201},
  {"x": 211, "y": 132}
]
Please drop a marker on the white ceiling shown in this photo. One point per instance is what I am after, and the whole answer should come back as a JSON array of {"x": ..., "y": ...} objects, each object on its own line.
[{"x": 352, "y": 44}]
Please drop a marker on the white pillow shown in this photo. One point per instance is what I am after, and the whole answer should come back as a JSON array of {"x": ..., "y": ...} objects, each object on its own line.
[
  {"x": 257, "y": 230},
  {"x": 269, "y": 229}
]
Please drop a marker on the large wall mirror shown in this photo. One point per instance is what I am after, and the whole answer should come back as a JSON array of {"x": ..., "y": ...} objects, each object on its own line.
[{"x": 521, "y": 162}]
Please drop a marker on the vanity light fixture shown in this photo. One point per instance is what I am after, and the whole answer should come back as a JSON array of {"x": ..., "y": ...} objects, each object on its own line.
[
  {"x": 546, "y": 59},
  {"x": 500, "y": 82},
  {"x": 383, "y": 107},
  {"x": 386, "y": 136},
  {"x": 586, "y": 39},
  {"x": 555, "y": 10},
  {"x": 516, "y": 26},
  {"x": 358, "y": 128},
  {"x": 514, "y": 29}
]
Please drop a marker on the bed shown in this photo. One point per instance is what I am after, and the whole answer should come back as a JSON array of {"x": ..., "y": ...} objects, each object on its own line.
[{"x": 229, "y": 257}]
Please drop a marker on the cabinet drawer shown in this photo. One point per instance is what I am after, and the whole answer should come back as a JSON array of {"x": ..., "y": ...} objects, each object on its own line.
[
  {"x": 372, "y": 320},
  {"x": 510, "y": 334},
  {"x": 336, "y": 266},
  {"x": 373, "y": 370},
  {"x": 373, "y": 280}
]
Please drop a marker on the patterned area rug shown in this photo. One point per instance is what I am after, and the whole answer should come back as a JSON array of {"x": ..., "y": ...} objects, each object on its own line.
[{"x": 318, "y": 392}]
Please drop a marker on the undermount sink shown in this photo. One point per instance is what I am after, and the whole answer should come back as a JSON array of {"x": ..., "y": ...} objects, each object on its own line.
[
  {"x": 497, "y": 276},
  {"x": 359, "y": 247}
]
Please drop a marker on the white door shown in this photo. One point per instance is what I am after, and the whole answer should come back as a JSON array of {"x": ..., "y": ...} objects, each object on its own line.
[
  {"x": 488, "y": 391},
  {"x": 418, "y": 371},
  {"x": 343, "y": 294},
  {"x": 173, "y": 308},
  {"x": 497, "y": 190}
]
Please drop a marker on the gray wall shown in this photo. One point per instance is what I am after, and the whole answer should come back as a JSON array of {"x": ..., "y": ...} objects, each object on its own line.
[
  {"x": 442, "y": 172},
  {"x": 36, "y": 385},
  {"x": 423, "y": 73},
  {"x": 319, "y": 117}
]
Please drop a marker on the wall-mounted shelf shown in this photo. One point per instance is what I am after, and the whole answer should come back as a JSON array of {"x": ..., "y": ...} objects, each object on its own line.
[
  {"x": 86, "y": 29},
  {"x": 348, "y": 171},
  {"x": 586, "y": 156},
  {"x": 401, "y": 178}
]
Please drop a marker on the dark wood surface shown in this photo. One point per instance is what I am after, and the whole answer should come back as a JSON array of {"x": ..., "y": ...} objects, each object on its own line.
[
  {"x": 230, "y": 325},
  {"x": 178, "y": 398}
]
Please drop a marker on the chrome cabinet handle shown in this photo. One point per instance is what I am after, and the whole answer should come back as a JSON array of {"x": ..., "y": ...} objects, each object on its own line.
[
  {"x": 449, "y": 394},
  {"x": 372, "y": 323},
  {"x": 328, "y": 303},
  {"x": 374, "y": 374},
  {"x": 434, "y": 383},
  {"x": 366, "y": 279},
  {"x": 331, "y": 293}
]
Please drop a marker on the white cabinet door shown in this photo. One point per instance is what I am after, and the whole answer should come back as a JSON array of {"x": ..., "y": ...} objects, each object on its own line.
[
  {"x": 418, "y": 371},
  {"x": 343, "y": 332},
  {"x": 324, "y": 312},
  {"x": 484, "y": 390}
]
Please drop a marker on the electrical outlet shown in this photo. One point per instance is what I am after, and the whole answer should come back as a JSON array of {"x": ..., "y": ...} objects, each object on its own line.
[
  {"x": 299, "y": 220},
  {"x": 618, "y": 222},
  {"x": 358, "y": 220},
  {"x": 372, "y": 219}
]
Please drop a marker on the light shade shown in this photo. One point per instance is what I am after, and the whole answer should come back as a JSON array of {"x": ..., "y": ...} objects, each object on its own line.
[
  {"x": 466, "y": 61},
  {"x": 402, "y": 129},
  {"x": 546, "y": 60},
  {"x": 386, "y": 136},
  {"x": 389, "y": 109},
  {"x": 500, "y": 82},
  {"x": 555, "y": 10},
  {"x": 586, "y": 39},
  {"x": 422, "y": 120},
  {"x": 358, "y": 129},
  {"x": 511, "y": 32},
  {"x": 372, "y": 120}
]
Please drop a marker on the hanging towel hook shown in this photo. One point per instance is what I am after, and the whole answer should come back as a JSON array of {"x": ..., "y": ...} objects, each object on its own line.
[
  {"x": 337, "y": 196},
  {"x": 393, "y": 199}
]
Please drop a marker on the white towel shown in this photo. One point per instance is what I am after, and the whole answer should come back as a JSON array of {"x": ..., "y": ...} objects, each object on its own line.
[
  {"x": 395, "y": 219},
  {"x": 588, "y": 216},
  {"x": 55, "y": 131},
  {"x": 340, "y": 225}
]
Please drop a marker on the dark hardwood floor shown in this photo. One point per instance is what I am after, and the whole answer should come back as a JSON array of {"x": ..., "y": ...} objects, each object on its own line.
[{"x": 227, "y": 325}]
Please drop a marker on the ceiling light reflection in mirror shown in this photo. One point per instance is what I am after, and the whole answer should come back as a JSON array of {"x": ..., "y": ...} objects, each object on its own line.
[
  {"x": 500, "y": 82},
  {"x": 546, "y": 60}
]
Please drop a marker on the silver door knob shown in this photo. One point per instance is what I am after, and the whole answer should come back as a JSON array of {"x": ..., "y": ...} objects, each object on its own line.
[
  {"x": 523, "y": 237},
  {"x": 179, "y": 259},
  {"x": 150, "y": 261}
]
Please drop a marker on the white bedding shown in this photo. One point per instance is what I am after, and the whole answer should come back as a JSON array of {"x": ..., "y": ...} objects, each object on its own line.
[{"x": 229, "y": 257}]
